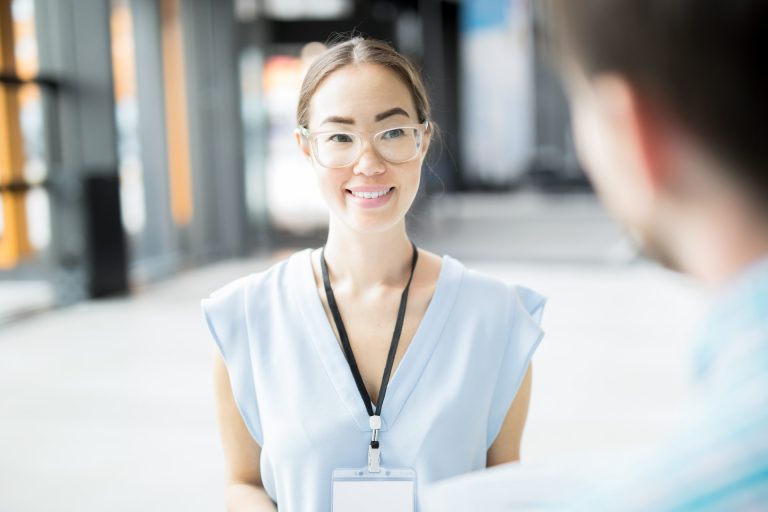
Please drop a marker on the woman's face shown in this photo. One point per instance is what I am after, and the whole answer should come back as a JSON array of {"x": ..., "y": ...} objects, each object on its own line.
[{"x": 365, "y": 99}]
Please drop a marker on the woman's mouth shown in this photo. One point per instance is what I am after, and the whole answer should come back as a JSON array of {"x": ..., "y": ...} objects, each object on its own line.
[{"x": 368, "y": 197}]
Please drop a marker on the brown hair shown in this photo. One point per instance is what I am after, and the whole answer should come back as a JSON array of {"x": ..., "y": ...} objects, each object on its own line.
[
  {"x": 705, "y": 61},
  {"x": 358, "y": 50}
]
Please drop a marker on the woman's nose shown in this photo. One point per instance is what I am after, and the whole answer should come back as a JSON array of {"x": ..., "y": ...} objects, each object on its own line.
[{"x": 369, "y": 163}]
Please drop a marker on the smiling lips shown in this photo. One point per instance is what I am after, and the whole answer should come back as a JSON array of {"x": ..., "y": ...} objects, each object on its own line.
[{"x": 370, "y": 197}]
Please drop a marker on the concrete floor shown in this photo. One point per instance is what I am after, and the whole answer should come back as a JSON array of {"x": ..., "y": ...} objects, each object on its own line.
[{"x": 108, "y": 405}]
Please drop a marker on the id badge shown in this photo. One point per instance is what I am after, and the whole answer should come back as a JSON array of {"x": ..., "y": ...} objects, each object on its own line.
[{"x": 391, "y": 490}]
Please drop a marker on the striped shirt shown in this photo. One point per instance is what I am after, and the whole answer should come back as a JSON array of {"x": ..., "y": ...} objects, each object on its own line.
[{"x": 719, "y": 460}]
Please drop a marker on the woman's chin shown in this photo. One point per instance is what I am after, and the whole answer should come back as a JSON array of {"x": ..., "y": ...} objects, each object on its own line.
[
  {"x": 364, "y": 219},
  {"x": 369, "y": 222}
]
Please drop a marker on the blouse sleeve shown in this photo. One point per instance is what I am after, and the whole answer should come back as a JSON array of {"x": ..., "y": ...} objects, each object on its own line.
[
  {"x": 522, "y": 338},
  {"x": 224, "y": 311}
]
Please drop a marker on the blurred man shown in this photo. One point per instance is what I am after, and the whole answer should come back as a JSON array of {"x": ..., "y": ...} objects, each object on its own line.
[{"x": 670, "y": 114}]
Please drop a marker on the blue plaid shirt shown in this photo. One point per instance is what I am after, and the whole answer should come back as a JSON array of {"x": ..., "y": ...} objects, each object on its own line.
[{"x": 719, "y": 461}]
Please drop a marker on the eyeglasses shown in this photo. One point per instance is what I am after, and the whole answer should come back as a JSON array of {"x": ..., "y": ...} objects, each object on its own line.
[{"x": 333, "y": 148}]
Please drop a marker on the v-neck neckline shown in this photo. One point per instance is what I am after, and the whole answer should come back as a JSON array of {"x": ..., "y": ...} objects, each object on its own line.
[{"x": 414, "y": 360}]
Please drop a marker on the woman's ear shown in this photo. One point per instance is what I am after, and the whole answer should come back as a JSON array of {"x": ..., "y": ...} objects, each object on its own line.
[
  {"x": 428, "y": 133},
  {"x": 303, "y": 144}
]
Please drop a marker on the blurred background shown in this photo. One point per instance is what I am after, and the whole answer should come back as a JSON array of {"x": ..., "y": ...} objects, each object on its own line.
[{"x": 147, "y": 158}]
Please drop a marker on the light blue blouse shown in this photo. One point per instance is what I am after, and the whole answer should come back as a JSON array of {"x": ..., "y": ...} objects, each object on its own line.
[{"x": 446, "y": 400}]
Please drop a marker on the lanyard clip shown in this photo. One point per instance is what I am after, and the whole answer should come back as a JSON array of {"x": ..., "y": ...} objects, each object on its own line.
[
  {"x": 374, "y": 458},
  {"x": 375, "y": 423},
  {"x": 374, "y": 454}
]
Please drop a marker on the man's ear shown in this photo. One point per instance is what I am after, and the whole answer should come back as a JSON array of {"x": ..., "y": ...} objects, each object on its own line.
[
  {"x": 640, "y": 126},
  {"x": 303, "y": 144}
]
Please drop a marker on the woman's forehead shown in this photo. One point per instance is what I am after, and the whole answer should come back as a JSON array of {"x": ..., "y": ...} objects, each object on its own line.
[{"x": 360, "y": 93}]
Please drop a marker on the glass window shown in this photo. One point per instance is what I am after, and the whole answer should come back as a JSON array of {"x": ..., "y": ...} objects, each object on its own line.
[
  {"x": 24, "y": 215},
  {"x": 127, "y": 118}
]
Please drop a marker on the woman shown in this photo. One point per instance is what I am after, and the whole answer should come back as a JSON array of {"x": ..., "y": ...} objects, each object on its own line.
[{"x": 369, "y": 352}]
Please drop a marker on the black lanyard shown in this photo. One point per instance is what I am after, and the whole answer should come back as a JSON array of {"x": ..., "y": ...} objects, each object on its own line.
[
  {"x": 375, "y": 416},
  {"x": 345, "y": 339}
]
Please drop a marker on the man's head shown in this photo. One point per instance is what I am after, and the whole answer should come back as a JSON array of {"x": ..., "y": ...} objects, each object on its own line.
[{"x": 670, "y": 111}]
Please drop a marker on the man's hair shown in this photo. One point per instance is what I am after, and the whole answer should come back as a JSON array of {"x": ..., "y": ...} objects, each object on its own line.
[{"x": 703, "y": 61}]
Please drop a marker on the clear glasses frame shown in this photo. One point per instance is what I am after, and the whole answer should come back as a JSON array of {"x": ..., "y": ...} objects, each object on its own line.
[{"x": 357, "y": 139}]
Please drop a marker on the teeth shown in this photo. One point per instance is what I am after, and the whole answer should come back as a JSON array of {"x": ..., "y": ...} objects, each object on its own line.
[{"x": 370, "y": 195}]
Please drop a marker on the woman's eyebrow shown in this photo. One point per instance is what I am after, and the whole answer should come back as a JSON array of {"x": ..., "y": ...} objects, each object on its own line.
[
  {"x": 397, "y": 111},
  {"x": 339, "y": 120}
]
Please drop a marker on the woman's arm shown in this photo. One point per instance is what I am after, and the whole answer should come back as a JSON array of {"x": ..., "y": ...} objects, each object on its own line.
[
  {"x": 244, "y": 489},
  {"x": 506, "y": 446}
]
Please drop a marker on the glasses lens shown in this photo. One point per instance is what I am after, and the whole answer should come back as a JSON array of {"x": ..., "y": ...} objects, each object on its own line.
[
  {"x": 336, "y": 149},
  {"x": 398, "y": 144}
]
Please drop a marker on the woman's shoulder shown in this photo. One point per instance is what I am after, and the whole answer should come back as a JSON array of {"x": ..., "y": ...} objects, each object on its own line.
[
  {"x": 484, "y": 289},
  {"x": 276, "y": 275},
  {"x": 473, "y": 281}
]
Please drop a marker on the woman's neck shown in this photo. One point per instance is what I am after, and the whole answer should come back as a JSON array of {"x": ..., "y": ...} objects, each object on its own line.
[{"x": 360, "y": 261}]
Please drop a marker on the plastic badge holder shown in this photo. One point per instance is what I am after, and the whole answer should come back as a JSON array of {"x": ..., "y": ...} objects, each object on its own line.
[{"x": 391, "y": 490}]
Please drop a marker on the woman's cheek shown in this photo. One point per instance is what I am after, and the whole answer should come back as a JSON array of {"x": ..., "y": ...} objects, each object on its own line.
[{"x": 329, "y": 190}]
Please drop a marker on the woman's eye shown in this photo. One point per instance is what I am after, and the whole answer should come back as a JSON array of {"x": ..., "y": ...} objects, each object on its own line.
[
  {"x": 340, "y": 137},
  {"x": 394, "y": 133}
]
